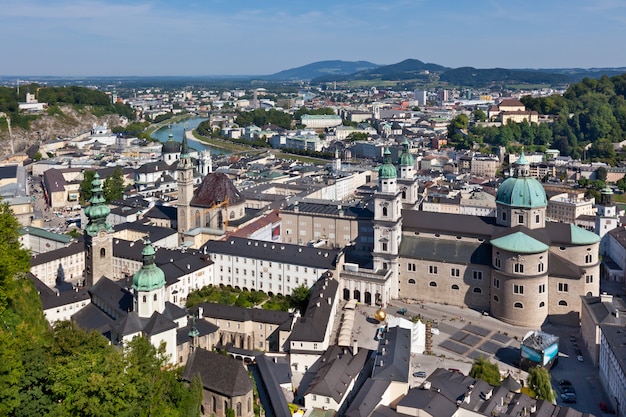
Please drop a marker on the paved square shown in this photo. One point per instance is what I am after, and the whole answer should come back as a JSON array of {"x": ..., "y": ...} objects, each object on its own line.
[
  {"x": 502, "y": 338},
  {"x": 480, "y": 331},
  {"x": 454, "y": 346},
  {"x": 490, "y": 347},
  {"x": 476, "y": 354}
]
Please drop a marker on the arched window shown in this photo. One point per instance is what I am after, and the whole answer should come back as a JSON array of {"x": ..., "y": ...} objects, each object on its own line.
[
  {"x": 214, "y": 405},
  {"x": 155, "y": 297},
  {"x": 103, "y": 252},
  {"x": 588, "y": 258},
  {"x": 198, "y": 218},
  {"x": 562, "y": 303},
  {"x": 478, "y": 290},
  {"x": 384, "y": 211},
  {"x": 145, "y": 298},
  {"x": 231, "y": 215},
  {"x": 542, "y": 304},
  {"x": 404, "y": 194},
  {"x": 432, "y": 284},
  {"x": 239, "y": 409},
  {"x": 249, "y": 405},
  {"x": 411, "y": 281},
  {"x": 518, "y": 305},
  {"x": 455, "y": 287}
]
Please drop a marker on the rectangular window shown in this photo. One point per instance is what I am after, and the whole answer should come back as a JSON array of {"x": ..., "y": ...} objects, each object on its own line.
[
  {"x": 477, "y": 275},
  {"x": 563, "y": 287},
  {"x": 542, "y": 288},
  {"x": 588, "y": 279},
  {"x": 384, "y": 247},
  {"x": 518, "y": 289},
  {"x": 520, "y": 219},
  {"x": 432, "y": 269},
  {"x": 497, "y": 263},
  {"x": 540, "y": 267},
  {"x": 496, "y": 283},
  {"x": 519, "y": 268},
  {"x": 537, "y": 218},
  {"x": 454, "y": 272}
]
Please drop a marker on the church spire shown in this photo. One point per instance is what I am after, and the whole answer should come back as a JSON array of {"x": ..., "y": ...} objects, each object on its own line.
[
  {"x": 97, "y": 212},
  {"x": 185, "y": 158}
]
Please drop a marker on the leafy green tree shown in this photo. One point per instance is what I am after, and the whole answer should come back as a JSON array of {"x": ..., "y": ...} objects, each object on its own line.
[
  {"x": 356, "y": 136},
  {"x": 539, "y": 382},
  {"x": 114, "y": 186},
  {"x": 300, "y": 297},
  {"x": 601, "y": 173},
  {"x": 84, "y": 189},
  {"x": 14, "y": 261},
  {"x": 621, "y": 183},
  {"x": 479, "y": 115},
  {"x": 486, "y": 370}
]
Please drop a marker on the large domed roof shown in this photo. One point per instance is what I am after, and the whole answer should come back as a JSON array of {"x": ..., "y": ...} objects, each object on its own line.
[
  {"x": 171, "y": 146},
  {"x": 216, "y": 188},
  {"x": 149, "y": 277},
  {"x": 522, "y": 190}
]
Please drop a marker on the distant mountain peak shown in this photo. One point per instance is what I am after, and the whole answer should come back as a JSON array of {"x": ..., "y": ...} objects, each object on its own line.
[{"x": 321, "y": 68}]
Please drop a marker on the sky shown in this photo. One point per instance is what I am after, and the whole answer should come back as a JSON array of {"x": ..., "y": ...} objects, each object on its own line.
[{"x": 245, "y": 37}]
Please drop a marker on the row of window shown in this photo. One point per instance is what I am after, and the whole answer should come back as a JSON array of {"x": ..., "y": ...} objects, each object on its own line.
[
  {"x": 454, "y": 272},
  {"x": 517, "y": 288},
  {"x": 519, "y": 305},
  {"x": 520, "y": 218}
]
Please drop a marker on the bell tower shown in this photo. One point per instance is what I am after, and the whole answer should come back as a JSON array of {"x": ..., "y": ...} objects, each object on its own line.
[
  {"x": 387, "y": 223},
  {"x": 98, "y": 238},
  {"x": 185, "y": 188}
]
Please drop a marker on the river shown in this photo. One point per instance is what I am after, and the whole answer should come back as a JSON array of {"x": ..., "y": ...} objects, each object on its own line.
[{"x": 176, "y": 129}]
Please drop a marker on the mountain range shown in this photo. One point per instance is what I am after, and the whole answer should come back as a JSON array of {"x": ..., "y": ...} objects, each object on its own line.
[{"x": 418, "y": 71}]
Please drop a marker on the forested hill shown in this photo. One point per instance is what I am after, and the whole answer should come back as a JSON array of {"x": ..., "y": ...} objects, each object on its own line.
[
  {"x": 321, "y": 68},
  {"x": 591, "y": 112},
  {"x": 472, "y": 77}
]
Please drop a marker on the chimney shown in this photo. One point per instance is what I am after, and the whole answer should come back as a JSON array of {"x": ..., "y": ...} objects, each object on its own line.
[
  {"x": 355, "y": 347},
  {"x": 200, "y": 311}
]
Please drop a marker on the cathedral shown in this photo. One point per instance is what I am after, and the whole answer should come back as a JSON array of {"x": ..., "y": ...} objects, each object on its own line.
[{"x": 517, "y": 267}]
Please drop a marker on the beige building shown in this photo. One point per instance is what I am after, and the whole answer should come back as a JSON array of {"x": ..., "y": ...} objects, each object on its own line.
[
  {"x": 567, "y": 207},
  {"x": 484, "y": 165}
]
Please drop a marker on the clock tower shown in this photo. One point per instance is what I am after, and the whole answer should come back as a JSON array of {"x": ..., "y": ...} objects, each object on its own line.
[
  {"x": 185, "y": 188},
  {"x": 98, "y": 238},
  {"x": 387, "y": 223}
]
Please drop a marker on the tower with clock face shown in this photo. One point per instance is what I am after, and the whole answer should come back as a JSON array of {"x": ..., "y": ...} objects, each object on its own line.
[
  {"x": 185, "y": 189},
  {"x": 387, "y": 224},
  {"x": 98, "y": 236}
]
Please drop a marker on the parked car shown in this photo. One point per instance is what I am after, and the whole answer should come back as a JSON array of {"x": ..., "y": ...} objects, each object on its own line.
[
  {"x": 565, "y": 383},
  {"x": 419, "y": 374},
  {"x": 568, "y": 397}
]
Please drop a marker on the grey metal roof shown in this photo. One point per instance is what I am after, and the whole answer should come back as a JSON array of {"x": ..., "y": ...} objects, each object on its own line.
[
  {"x": 311, "y": 327},
  {"x": 338, "y": 368},
  {"x": 446, "y": 223},
  {"x": 434, "y": 403},
  {"x": 457, "y": 251},
  {"x": 274, "y": 252},
  {"x": 273, "y": 372},
  {"x": 220, "y": 374},
  {"x": 331, "y": 210},
  {"x": 392, "y": 361},
  {"x": 202, "y": 326},
  {"x": 616, "y": 339},
  {"x": 368, "y": 398},
  {"x": 242, "y": 314}
]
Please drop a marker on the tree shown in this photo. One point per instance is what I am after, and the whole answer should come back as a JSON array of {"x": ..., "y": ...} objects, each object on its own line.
[
  {"x": 601, "y": 173},
  {"x": 300, "y": 297},
  {"x": 114, "y": 186},
  {"x": 539, "y": 381},
  {"x": 84, "y": 189},
  {"x": 479, "y": 115},
  {"x": 486, "y": 370},
  {"x": 621, "y": 183}
]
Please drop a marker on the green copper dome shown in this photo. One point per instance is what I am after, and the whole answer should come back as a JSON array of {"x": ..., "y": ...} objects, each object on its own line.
[
  {"x": 519, "y": 242},
  {"x": 387, "y": 170},
  {"x": 149, "y": 277},
  {"x": 406, "y": 159},
  {"x": 170, "y": 146},
  {"x": 97, "y": 211},
  {"x": 522, "y": 190}
]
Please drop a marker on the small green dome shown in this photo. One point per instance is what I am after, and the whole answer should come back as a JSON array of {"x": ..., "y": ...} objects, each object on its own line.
[
  {"x": 387, "y": 170},
  {"x": 149, "y": 277},
  {"x": 522, "y": 190},
  {"x": 406, "y": 159}
]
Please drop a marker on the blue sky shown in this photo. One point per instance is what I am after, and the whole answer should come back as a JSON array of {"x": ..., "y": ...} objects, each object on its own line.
[{"x": 241, "y": 37}]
